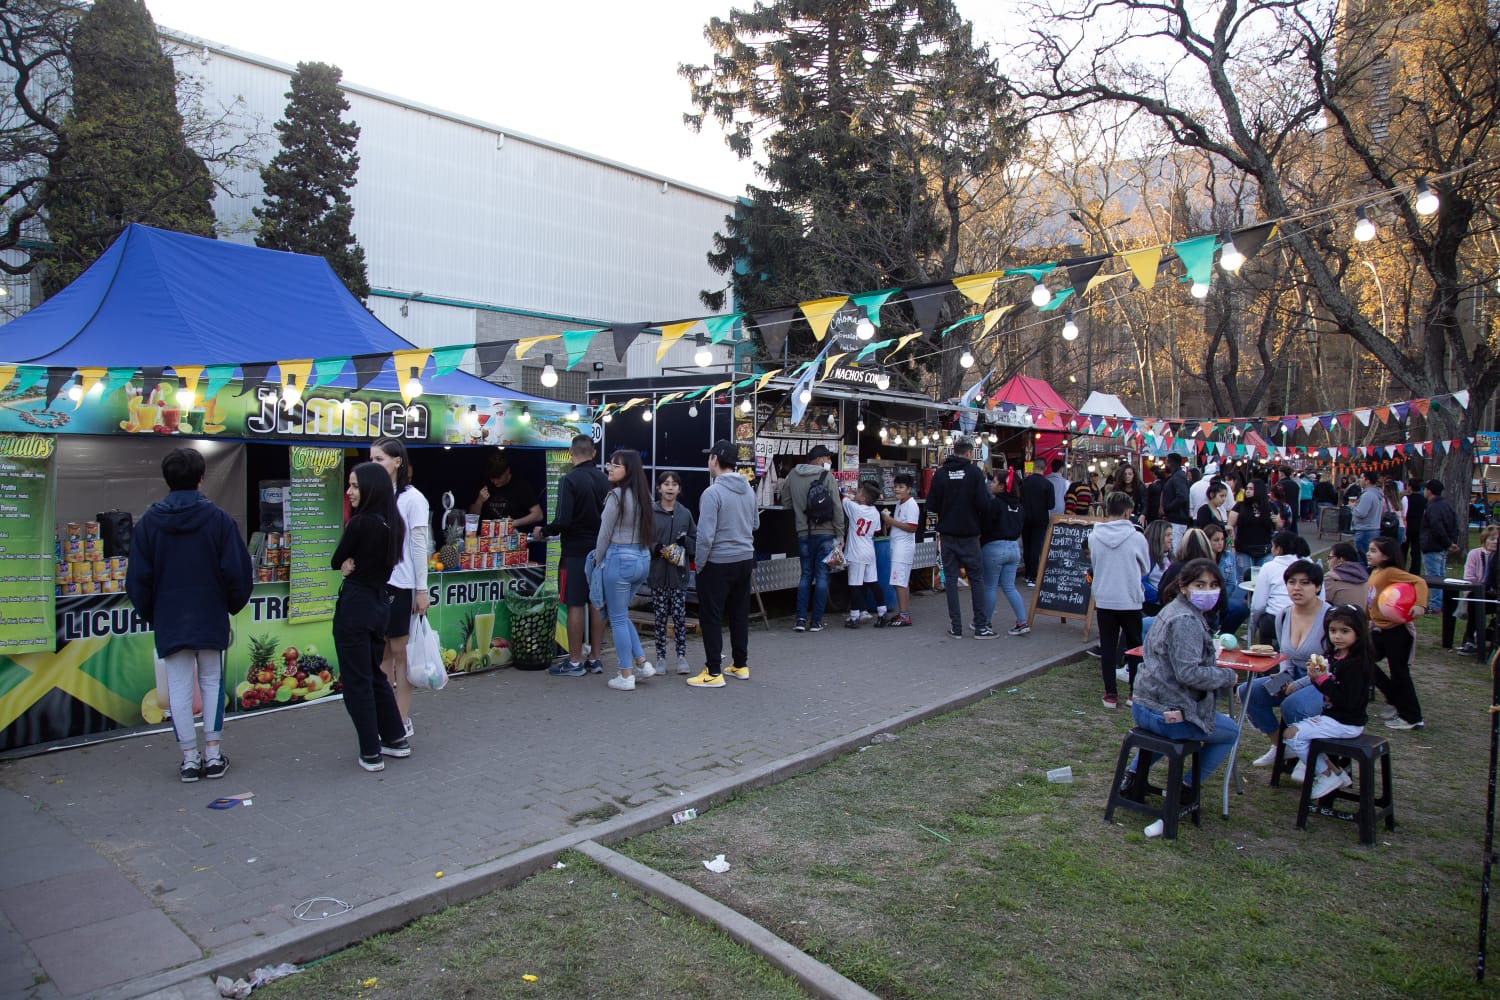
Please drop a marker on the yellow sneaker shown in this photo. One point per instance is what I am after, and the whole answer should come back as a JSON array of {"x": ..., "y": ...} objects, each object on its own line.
[
  {"x": 707, "y": 680},
  {"x": 740, "y": 673}
]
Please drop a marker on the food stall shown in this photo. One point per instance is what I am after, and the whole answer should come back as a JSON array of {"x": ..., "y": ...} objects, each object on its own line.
[{"x": 149, "y": 351}]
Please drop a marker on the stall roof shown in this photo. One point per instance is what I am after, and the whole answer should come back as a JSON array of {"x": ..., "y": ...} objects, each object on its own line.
[
  {"x": 1104, "y": 404},
  {"x": 157, "y": 299},
  {"x": 1023, "y": 390}
]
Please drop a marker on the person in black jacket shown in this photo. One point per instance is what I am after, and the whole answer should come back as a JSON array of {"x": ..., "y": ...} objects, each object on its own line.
[
  {"x": 371, "y": 545},
  {"x": 189, "y": 570},
  {"x": 1036, "y": 505},
  {"x": 1439, "y": 537},
  {"x": 1416, "y": 509},
  {"x": 1176, "y": 499},
  {"x": 580, "y": 500},
  {"x": 959, "y": 497}
]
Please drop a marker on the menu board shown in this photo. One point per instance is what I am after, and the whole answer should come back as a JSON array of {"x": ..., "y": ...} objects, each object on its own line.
[
  {"x": 315, "y": 521},
  {"x": 1064, "y": 584},
  {"x": 28, "y": 547}
]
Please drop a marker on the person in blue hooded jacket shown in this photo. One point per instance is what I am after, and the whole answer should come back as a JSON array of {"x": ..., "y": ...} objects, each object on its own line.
[{"x": 189, "y": 571}]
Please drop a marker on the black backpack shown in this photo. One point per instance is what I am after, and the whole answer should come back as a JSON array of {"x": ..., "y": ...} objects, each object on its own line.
[{"x": 819, "y": 501}]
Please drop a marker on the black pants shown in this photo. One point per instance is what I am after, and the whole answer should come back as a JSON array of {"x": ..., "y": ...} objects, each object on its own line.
[
  {"x": 359, "y": 621},
  {"x": 1394, "y": 645},
  {"x": 1118, "y": 631},
  {"x": 1032, "y": 536},
  {"x": 724, "y": 598},
  {"x": 962, "y": 552}
]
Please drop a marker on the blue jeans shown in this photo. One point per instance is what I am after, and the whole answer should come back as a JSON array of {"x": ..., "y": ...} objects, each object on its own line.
[
  {"x": 1299, "y": 705},
  {"x": 625, "y": 568},
  {"x": 1001, "y": 560},
  {"x": 813, "y": 549},
  {"x": 1217, "y": 744},
  {"x": 1243, "y": 562},
  {"x": 1362, "y": 542},
  {"x": 1434, "y": 564}
]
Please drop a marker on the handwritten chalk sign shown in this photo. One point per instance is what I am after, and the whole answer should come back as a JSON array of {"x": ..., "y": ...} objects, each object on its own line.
[{"x": 1062, "y": 587}]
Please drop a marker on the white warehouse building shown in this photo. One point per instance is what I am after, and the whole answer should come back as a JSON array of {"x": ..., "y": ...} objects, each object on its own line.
[{"x": 475, "y": 233}]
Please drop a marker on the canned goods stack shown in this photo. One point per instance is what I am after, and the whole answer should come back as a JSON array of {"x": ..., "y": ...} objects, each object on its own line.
[
  {"x": 491, "y": 544},
  {"x": 273, "y": 558},
  {"x": 82, "y": 567}
]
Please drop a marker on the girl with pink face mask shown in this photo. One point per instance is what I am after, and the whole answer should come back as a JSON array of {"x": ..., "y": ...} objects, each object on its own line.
[{"x": 1174, "y": 690}]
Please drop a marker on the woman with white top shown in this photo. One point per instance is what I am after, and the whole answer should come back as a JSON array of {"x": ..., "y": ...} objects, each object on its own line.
[
  {"x": 407, "y": 585},
  {"x": 1270, "y": 597},
  {"x": 623, "y": 559}
]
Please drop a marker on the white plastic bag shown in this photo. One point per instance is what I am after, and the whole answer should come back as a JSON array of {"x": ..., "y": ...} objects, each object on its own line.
[{"x": 424, "y": 656}]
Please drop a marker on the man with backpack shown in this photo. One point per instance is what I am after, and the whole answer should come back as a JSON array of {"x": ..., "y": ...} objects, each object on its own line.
[
  {"x": 960, "y": 498},
  {"x": 812, "y": 493}
]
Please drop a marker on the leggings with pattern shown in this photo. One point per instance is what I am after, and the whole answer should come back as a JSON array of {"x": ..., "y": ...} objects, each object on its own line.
[{"x": 674, "y": 603}]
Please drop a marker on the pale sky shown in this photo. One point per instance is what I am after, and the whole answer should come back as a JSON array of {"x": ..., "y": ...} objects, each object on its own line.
[{"x": 597, "y": 76}]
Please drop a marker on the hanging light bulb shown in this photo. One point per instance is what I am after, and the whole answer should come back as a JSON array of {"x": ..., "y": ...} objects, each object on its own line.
[
  {"x": 573, "y": 414},
  {"x": 864, "y": 329},
  {"x": 472, "y": 417},
  {"x": 185, "y": 397},
  {"x": 1199, "y": 290},
  {"x": 646, "y": 414},
  {"x": 1427, "y": 199},
  {"x": 966, "y": 359},
  {"x": 882, "y": 433},
  {"x": 1230, "y": 258},
  {"x": 1040, "y": 294},
  {"x": 896, "y": 440},
  {"x": 413, "y": 385},
  {"x": 745, "y": 405},
  {"x": 75, "y": 392},
  {"x": 882, "y": 379},
  {"x": 291, "y": 395},
  {"x": 859, "y": 425},
  {"x": 693, "y": 410},
  {"x": 994, "y": 437},
  {"x": 525, "y": 414},
  {"x": 608, "y": 418},
  {"x": 805, "y": 396},
  {"x": 549, "y": 374},
  {"x": 702, "y": 357},
  {"x": 926, "y": 439},
  {"x": 1070, "y": 328},
  {"x": 1364, "y": 227}
]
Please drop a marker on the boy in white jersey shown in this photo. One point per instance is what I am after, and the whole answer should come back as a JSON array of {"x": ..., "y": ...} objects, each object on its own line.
[
  {"x": 902, "y": 525},
  {"x": 859, "y": 555}
]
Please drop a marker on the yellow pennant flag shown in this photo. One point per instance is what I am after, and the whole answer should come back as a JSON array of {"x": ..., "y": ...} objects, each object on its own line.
[
  {"x": 87, "y": 379},
  {"x": 992, "y": 317},
  {"x": 830, "y": 361},
  {"x": 7, "y": 372},
  {"x": 760, "y": 383},
  {"x": 632, "y": 401},
  {"x": 527, "y": 343},
  {"x": 819, "y": 312},
  {"x": 671, "y": 334},
  {"x": 189, "y": 375},
  {"x": 299, "y": 370},
  {"x": 718, "y": 388},
  {"x": 1100, "y": 279},
  {"x": 902, "y": 343},
  {"x": 1143, "y": 265},
  {"x": 406, "y": 364},
  {"x": 977, "y": 287}
]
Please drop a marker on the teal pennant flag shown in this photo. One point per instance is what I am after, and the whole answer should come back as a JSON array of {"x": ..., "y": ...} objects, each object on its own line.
[
  {"x": 446, "y": 360},
  {"x": 1197, "y": 256},
  {"x": 871, "y": 303},
  {"x": 720, "y": 327},
  {"x": 325, "y": 370},
  {"x": 576, "y": 343}
]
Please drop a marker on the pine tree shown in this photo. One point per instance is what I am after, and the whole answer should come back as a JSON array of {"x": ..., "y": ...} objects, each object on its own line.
[
  {"x": 307, "y": 184},
  {"x": 122, "y": 157}
]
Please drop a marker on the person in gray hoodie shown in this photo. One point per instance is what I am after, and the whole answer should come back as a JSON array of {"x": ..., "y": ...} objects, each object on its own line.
[
  {"x": 1119, "y": 557},
  {"x": 727, "y": 519},
  {"x": 815, "y": 539}
]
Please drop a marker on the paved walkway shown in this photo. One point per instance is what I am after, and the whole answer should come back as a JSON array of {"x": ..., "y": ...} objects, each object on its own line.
[{"x": 112, "y": 869}]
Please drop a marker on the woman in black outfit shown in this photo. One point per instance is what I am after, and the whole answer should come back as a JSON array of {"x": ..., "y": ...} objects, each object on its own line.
[
  {"x": 1256, "y": 520},
  {"x": 371, "y": 545}
]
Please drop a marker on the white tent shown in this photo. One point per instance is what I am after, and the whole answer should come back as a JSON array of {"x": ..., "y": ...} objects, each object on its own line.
[{"x": 1104, "y": 404}]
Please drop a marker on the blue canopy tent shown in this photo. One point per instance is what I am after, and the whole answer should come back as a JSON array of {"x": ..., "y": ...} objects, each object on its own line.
[{"x": 157, "y": 298}]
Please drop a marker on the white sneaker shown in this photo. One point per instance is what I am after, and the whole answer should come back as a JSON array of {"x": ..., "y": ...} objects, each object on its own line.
[
  {"x": 1299, "y": 773},
  {"x": 1266, "y": 759},
  {"x": 682, "y": 666},
  {"x": 410, "y": 729},
  {"x": 644, "y": 670},
  {"x": 1325, "y": 784},
  {"x": 622, "y": 683},
  {"x": 1156, "y": 829},
  {"x": 1122, "y": 674}
]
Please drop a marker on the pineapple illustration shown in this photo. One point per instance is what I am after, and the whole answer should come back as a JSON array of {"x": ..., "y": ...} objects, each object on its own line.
[
  {"x": 453, "y": 536},
  {"x": 263, "y": 666}
]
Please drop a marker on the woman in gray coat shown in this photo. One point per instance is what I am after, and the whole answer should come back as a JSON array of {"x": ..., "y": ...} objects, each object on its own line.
[
  {"x": 672, "y": 551},
  {"x": 1174, "y": 690}
]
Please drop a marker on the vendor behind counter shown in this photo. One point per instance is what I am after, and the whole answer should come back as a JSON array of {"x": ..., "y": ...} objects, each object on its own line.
[{"x": 503, "y": 494}]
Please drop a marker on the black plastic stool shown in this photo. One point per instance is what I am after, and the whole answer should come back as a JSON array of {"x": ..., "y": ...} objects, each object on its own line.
[
  {"x": 1131, "y": 794},
  {"x": 1366, "y": 749}
]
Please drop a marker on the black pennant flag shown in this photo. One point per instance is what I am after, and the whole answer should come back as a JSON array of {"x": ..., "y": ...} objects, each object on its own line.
[
  {"x": 252, "y": 377},
  {"x": 56, "y": 379},
  {"x": 927, "y": 304},
  {"x": 774, "y": 324},
  {"x": 366, "y": 367},
  {"x": 625, "y": 334},
  {"x": 488, "y": 357}
]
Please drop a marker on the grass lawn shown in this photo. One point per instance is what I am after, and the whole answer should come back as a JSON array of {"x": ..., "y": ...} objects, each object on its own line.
[{"x": 943, "y": 865}]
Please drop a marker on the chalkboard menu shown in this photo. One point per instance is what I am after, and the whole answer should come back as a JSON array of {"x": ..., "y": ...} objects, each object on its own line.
[{"x": 1062, "y": 587}]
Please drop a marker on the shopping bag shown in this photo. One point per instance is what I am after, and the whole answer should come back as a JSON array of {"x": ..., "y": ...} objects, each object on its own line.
[{"x": 424, "y": 656}]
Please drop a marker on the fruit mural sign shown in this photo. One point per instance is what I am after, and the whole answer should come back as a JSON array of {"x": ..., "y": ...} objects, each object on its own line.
[
  {"x": 27, "y": 545},
  {"x": 316, "y": 522}
]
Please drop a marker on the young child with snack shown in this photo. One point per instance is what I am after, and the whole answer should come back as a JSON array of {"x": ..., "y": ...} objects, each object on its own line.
[
  {"x": 902, "y": 524},
  {"x": 1343, "y": 674},
  {"x": 859, "y": 555}
]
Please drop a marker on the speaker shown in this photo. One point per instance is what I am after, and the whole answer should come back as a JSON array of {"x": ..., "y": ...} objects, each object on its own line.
[{"x": 114, "y": 528}]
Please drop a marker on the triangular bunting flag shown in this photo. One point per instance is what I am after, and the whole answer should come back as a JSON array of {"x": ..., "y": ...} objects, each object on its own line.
[
  {"x": 902, "y": 343},
  {"x": 927, "y": 305},
  {"x": 1142, "y": 264},
  {"x": 1197, "y": 255},
  {"x": 1421, "y": 405},
  {"x": 871, "y": 303},
  {"x": 624, "y": 335},
  {"x": 871, "y": 348},
  {"x": 977, "y": 287},
  {"x": 187, "y": 374},
  {"x": 1398, "y": 410},
  {"x": 87, "y": 379},
  {"x": 28, "y": 376},
  {"x": 215, "y": 378},
  {"x": 296, "y": 369},
  {"x": 954, "y": 326},
  {"x": 1363, "y": 416},
  {"x": 1035, "y": 273},
  {"x": 1462, "y": 398},
  {"x": 720, "y": 327},
  {"x": 7, "y": 372},
  {"x": 671, "y": 333},
  {"x": 56, "y": 379},
  {"x": 325, "y": 370},
  {"x": 409, "y": 365},
  {"x": 773, "y": 325},
  {"x": 252, "y": 377},
  {"x": 576, "y": 344},
  {"x": 1057, "y": 301},
  {"x": 488, "y": 357},
  {"x": 992, "y": 317},
  {"x": 760, "y": 383},
  {"x": 1100, "y": 279},
  {"x": 366, "y": 367},
  {"x": 1249, "y": 241},
  {"x": 445, "y": 360},
  {"x": 1082, "y": 272},
  {"x": 1383, "y": 413},
  {"x": 1345, "y": 420},
  {"x": 830, "y": 361},
  {"x": 527, "y": 343},
  {"x": 1447, "y": 446},
  {"x": 818, "y": 313}
]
